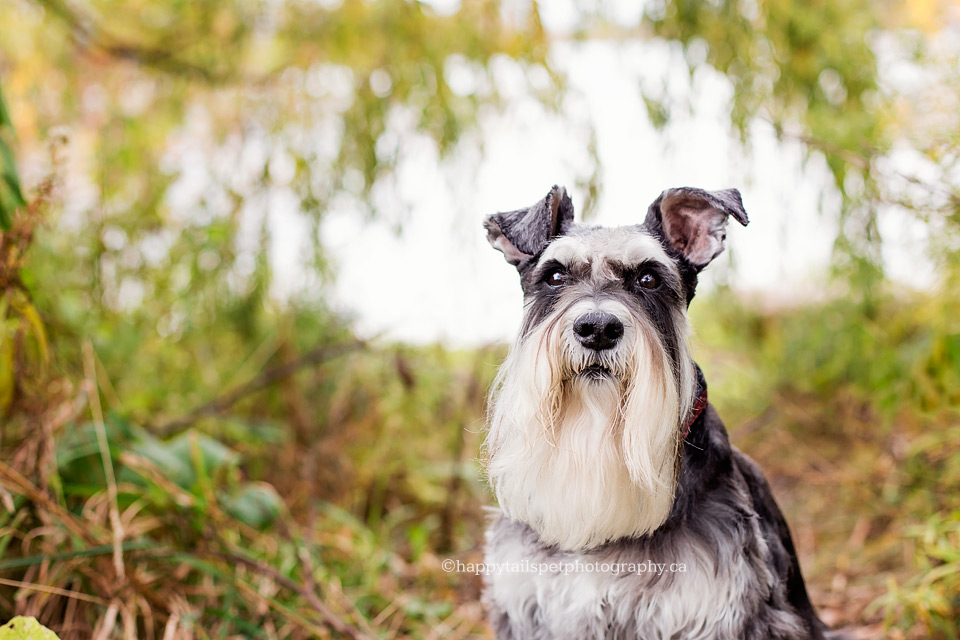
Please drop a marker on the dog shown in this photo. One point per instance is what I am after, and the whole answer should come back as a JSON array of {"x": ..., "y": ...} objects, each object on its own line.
[{"x": 624, "y": 511}]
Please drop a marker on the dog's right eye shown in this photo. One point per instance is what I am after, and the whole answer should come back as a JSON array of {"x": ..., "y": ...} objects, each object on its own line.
[
  {"x": 555, "y": 277},
  {"x": 648, "y": 280}
]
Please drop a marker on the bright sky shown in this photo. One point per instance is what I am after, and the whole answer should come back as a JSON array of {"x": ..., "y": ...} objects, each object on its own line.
[{"x": 439, "y": 279}]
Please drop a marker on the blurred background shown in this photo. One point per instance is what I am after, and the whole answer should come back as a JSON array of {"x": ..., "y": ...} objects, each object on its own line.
[{"x": 248, "y": 315}]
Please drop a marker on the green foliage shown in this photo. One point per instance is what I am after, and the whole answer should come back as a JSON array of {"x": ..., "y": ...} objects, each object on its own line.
[
  {"x": 907, "y": 346},
  {"x": 932, "y": 596},
  {"x": 870, "y": 403},
  {"x": 288, "y": 102},
  {"x": 152, "y": 472},
  {"x": 220, "y": 517},
  {"x": 811, "y": 72},
  {"x": 790, "y": 66},
  {"x": 271, "y": 80},
  {"x": 228, "y": 524}
]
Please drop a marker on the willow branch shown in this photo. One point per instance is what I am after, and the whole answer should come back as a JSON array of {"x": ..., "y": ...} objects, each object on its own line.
[{"x": 266, "y": 379}]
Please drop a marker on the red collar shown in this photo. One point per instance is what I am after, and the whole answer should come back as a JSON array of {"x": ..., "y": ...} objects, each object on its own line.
[{"x": 698, "y": 406}]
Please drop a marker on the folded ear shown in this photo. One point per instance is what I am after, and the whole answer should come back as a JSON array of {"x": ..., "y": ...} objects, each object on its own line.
[
  {"x": 524, "y": 233},
  {"x": 693, "y": 222}
]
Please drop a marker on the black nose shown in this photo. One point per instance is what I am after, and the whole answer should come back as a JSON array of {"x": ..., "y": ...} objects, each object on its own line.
[{"x": 598, "y": 331}]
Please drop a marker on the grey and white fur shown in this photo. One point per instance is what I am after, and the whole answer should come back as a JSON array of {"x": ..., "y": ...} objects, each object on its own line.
[{"x": 597, "y": 455}]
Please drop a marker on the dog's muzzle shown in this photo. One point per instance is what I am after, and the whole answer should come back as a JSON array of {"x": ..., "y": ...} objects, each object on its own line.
[{"x": 598, "y": 333}]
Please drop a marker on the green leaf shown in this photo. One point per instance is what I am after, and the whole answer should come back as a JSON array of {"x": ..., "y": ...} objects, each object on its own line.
[
  {"x": 11, "y": 195},
  {"x": 23, "y": 628},
  {"x": 173, "y": 466},
  {"x": 100, "y": 550},
  {"x": 4, "y": 114},
  {"x": 201, "y": 453},
  {"x": 256, "y": 505}
]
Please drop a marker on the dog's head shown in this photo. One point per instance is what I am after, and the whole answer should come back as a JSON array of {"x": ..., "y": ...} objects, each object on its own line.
[{"x": 587, "y": 413}]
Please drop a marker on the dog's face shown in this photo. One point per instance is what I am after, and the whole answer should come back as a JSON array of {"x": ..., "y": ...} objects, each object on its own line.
[{"x": 586, "y": 416}]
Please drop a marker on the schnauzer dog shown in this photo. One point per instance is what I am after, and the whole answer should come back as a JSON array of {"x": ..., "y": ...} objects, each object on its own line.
[{"x": 624, "y": 510}]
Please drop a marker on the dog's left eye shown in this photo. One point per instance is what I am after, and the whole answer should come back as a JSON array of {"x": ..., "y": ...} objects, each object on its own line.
[
  {"x": 555, "y": 277},
  {"x": 648, "y": 280}
]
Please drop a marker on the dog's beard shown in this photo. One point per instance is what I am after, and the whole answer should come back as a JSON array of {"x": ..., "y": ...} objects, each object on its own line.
[{"x": 588, "y": 454}]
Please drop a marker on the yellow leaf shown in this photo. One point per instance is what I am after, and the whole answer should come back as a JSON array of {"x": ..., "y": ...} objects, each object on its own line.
[
  {"x": 28, "y": 311},
  {"x": 6, "y": 365},
  {"x": 24, "y": 628}
]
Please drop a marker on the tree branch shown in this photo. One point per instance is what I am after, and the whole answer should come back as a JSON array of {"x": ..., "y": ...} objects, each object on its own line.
[
  {"x": 88, "y": 35},
  {"x": 262, "y": 381},
  {"x": 307, "y": 593}
]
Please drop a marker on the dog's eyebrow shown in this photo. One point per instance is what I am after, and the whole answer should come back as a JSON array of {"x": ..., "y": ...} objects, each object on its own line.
[
  {"x": 665, "y": 271},
  {"x": 550, "y": 263},
  {"x": 634, "y": 265},
  {"x": 641, "y": 248},
  {"x": 567, "y": 251},
  {"x": 578, "y": 269}
]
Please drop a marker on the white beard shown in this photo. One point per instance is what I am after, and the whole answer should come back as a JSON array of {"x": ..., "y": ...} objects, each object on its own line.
[{"x": 586, "y": 461}]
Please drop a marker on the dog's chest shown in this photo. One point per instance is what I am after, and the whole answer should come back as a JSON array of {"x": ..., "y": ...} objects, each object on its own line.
[{"x": 622, "y": 592}]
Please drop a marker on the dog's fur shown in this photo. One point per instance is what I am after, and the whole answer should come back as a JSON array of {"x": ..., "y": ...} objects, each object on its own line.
[{"x": 592, "y": 455}]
